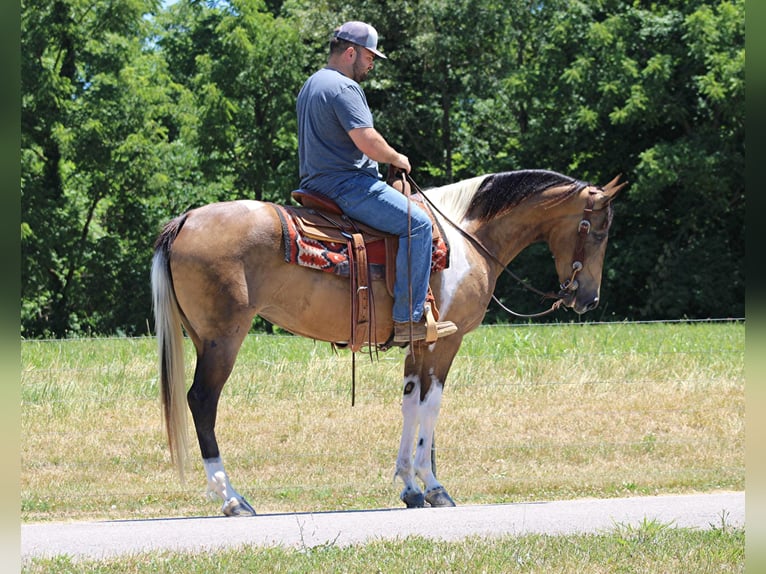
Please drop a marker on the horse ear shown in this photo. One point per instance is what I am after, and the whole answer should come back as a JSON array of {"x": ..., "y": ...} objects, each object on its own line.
[{"x": 612, "y": 188}]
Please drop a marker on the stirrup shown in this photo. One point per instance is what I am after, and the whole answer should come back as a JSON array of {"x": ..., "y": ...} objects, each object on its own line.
[{"x": 432, "y": 329}]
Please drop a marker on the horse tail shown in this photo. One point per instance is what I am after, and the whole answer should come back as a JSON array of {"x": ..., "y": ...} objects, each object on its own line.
[{"x": 167, "y": 324}]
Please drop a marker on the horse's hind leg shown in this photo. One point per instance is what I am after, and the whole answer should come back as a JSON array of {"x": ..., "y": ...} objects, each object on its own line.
[{"x": 214, "y": 364}]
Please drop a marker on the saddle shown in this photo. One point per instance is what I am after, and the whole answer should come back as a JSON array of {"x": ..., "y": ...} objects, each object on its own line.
[{"x": 320, "y": 236}]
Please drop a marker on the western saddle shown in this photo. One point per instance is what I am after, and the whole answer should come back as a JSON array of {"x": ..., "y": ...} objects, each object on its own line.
[{"x": 325, "y": 221}]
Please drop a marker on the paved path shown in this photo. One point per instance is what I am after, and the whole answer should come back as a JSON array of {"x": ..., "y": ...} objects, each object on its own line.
[{"x": 113, "y": 538}]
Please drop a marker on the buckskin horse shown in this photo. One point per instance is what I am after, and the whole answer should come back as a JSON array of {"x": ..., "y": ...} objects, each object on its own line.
[{"x": 218, "y": 266}]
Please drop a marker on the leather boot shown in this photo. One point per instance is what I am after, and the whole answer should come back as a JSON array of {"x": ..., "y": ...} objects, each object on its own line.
[{"x": 427, "y": 329}]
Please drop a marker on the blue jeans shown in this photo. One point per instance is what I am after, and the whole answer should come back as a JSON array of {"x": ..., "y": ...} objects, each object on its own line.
[{"x": 374, "y": 203}]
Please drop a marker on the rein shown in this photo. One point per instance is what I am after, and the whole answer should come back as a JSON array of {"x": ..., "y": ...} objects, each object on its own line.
[{"x": 570, "y": 285}]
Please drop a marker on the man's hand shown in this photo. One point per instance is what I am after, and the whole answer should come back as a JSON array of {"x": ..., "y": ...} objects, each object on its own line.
[{"x": 402, "y": 162}]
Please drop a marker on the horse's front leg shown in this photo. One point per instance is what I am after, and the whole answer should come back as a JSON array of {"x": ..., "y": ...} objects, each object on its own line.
[
  {"x": 436, "y": 494},
  {"x": 421, "y": 401},
  {"x": 411, "y": 495}
]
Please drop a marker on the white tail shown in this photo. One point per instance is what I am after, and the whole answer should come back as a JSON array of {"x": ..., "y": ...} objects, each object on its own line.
[{"x": 167, "y": 324}]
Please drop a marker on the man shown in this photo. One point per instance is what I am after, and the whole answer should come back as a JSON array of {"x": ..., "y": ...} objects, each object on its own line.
[{"x": 339, "y": 150}]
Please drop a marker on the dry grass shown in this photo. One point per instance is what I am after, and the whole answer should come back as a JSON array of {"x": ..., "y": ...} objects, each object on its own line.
[{"x": 529, "y": 413}]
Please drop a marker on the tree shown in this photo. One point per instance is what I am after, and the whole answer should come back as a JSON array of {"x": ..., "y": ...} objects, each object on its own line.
[
  {"x": 68, "y": 48},
  {"x": 244, "y": 67},
  {"x": 133, "y": 112},
  {"x": 656, "y": 92},
  {"x": 99, "y": 118},
  {"x": 670, "y": 106},
  {"x": 116, "y": 141}
]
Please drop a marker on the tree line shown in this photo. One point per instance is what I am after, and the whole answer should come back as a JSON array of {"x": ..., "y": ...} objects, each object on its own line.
[{"x": 135, "y": 111}]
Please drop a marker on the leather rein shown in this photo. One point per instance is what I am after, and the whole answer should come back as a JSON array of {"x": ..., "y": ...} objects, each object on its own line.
[{"x": 567, "y": 287}]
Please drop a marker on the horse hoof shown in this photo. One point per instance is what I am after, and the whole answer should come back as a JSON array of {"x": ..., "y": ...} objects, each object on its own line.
[
  {"x": 413, "y": 499},
  {"x": 439, "y": 497},
  {"x": 237, "y": 507}
]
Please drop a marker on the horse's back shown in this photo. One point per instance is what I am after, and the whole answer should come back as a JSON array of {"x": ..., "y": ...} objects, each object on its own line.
[{"x": 226, "y": 228}]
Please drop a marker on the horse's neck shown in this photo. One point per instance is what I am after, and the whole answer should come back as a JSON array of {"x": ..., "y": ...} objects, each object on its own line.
[{"x": 507, "y": 235}]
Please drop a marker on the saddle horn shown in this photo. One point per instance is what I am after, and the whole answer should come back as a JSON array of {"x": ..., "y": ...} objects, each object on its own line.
[{"x": 397, "y": 178}]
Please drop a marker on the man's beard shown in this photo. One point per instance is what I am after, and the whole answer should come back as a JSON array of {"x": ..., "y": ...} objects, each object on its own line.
[{"x": 360, "y": 71}]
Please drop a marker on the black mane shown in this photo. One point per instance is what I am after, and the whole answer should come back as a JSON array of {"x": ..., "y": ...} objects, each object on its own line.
[{"x": 500, "y": 192}]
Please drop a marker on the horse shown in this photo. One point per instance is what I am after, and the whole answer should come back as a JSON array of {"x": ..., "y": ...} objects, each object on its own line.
[{"x": 217, "y": 266}]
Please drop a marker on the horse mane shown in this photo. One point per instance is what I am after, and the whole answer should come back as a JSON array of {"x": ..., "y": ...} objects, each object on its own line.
[
  {"x": 453, "y": 199},
  {"x": 485, "y": 197}
]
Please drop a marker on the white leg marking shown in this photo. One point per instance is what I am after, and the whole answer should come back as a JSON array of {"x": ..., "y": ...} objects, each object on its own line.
[
  {"x": 218, "y": 485},
  {"x": 219, "y": 489},
  {"x": 429, "y": 411},
  {"x": 410, "y": 400}
]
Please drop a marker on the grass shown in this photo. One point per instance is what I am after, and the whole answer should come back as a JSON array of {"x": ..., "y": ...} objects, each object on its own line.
[
  {"x": 529, "y": 413},
  {"x": 648, "y": 548}
]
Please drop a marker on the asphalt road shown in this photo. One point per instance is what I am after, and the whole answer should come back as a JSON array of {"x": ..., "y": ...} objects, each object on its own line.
[{"x": 113, "y": 538}]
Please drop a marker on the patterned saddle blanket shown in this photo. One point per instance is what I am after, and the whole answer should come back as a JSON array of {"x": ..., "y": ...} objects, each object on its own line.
[{"x": 320, "y": 240}]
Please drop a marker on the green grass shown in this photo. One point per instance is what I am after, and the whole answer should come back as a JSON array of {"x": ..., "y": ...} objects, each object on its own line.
[
  {"x": 648, "y": 548},
  {"x": 529, "y": 413}
]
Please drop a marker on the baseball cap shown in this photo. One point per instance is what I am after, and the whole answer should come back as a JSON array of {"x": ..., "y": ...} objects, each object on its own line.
[{"x": 361, "y": 34}]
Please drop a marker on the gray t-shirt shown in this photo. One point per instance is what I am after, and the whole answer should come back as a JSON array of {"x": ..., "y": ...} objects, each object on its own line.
[{"x": 329, "y": 105}]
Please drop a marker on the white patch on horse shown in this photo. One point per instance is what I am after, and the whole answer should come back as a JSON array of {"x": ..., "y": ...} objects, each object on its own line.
[
  {"x": 253, "y": 205},
  {"x": 218, "y": 485},
  {"x": 453, "y": 201},
  {"x": 459, "y": 268},
  {"x": 429, "y": 411},
  {"x": 410, "y": 406},
  {"x": 219, "y": 488}
]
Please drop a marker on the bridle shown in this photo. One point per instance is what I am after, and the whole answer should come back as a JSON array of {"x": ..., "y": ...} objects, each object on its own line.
[
  {"x": 568, "y": 287},
  {"x": 583, "y": 229}
]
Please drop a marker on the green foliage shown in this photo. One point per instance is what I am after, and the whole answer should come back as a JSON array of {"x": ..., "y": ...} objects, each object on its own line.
[
  {"x": 245, "y": 67},
  {"x": 655, "y": 93},
  {"x": 133, "y": 113},
  {"x": 82, "y": 111}
]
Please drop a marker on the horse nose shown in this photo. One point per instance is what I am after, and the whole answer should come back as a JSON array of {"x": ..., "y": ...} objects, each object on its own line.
[
  {"x": 592, "y": 305},
  {"x": 582, "y": 308}
]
